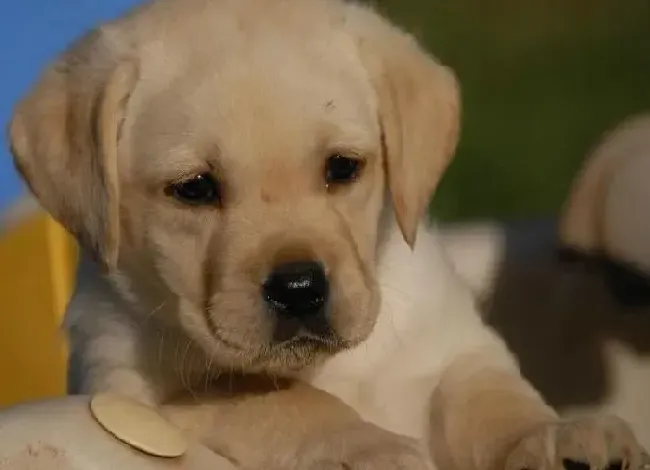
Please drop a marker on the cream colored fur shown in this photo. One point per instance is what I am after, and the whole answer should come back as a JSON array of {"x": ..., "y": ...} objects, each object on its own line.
[
  {"x": 600, "y": 356},
  {"x": 259, "y": 94},
  {"x": 600, "y": 359},
  {"x": 606, "y": 209}
]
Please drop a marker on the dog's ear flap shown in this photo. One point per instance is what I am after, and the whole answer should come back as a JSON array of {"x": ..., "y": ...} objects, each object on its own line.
[
  {"x": 582, "y": 219},
  {"x": 64, "y": 138},
  {"x": 603, "y": 200},
  {"x": 419, "y": 113}
]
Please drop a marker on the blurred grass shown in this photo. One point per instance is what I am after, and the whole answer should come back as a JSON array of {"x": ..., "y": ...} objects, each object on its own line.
[{"x": 541, "y": 80}]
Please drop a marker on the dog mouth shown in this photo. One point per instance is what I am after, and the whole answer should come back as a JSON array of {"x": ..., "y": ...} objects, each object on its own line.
[
  {"x": 301, "y": 351},
  {"x": 303, "y": 342},
  {"x": 306, "y": 341}
]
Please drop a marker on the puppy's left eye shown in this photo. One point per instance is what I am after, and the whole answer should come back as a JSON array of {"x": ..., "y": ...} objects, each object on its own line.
[
  {"x": 200, "y": 190},
  {"x": 340, "y": 169}
]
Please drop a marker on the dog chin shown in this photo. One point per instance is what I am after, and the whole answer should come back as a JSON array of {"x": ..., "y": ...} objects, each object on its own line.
[
  {"x": 293, "y": 356},
  {"x": 278, "y": 354},
  {"x": 304, "y": 351}
]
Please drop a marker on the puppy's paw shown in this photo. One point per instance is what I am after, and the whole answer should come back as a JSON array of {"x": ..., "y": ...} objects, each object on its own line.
[
  {"x": 598, "y": 443},
  {"x": 362, "y": 446}
]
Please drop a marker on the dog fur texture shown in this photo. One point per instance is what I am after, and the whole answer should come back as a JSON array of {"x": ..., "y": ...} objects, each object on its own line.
[
  {"x": 258, "y": 95},
  {"x": 580, "y": 282},
  {"x": 605, "y": 212},
  {"x": 598, "y": 360}
]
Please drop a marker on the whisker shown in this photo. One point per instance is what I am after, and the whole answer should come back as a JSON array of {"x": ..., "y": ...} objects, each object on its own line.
[
  {"x": 191, "y": 369},
  {"x": 179, "y": 366},
  {"x": 208, "y": 373},
  {"x": 394, "y": 289},
  {"x": 161, "y": 353},
  {"x": 186, "y": 382},
  {"x": 149, "y": 315}
]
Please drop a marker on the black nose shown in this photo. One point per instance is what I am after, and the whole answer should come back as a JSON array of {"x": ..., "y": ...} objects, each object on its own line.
[{"x": 297, "y": 289}]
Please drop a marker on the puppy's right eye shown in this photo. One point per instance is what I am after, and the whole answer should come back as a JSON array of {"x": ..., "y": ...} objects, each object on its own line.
[
  {"x": 200, "y": 190},
  {"x": 340, "y": 169}
]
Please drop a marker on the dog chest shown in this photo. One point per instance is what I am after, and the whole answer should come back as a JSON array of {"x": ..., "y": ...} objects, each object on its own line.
[{"x": 400, "y": 407}]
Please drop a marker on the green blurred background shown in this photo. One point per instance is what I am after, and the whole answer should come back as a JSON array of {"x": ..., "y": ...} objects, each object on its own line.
[{"x": 542, "y": 80}]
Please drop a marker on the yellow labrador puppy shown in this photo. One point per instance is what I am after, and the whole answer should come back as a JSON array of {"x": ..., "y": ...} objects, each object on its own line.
[{"x": 227, "y": 164}]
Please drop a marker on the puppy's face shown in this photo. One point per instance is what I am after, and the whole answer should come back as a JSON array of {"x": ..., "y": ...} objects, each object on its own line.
[
  {"x": 255, "y": 190},
  {"x": 242, "y": 170}
]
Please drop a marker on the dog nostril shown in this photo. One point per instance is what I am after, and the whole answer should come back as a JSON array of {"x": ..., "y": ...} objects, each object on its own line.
[{"x": 297, "y": 289}]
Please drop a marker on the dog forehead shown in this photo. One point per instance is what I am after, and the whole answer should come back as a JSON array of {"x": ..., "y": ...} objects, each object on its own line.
[
  {"x": 192, "y": 43},
  {"x": 263, "y": 91}
]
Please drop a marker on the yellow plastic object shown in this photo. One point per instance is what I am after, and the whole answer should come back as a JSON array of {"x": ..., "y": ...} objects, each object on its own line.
[{"x": 37, "y": 268}]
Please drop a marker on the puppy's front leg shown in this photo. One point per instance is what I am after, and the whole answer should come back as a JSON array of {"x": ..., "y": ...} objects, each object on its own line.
[
  {"x": 485, "y": 416},
  {"x": 107, "y": 361},
  {"x": 295, "y": 428}
]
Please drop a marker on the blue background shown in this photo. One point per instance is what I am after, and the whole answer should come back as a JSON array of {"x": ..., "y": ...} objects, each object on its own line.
[{"x": 32, "y": 32}]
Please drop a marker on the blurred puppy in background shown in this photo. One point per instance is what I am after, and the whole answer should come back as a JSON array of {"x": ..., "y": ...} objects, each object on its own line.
[{"x": 571, "y": 296}]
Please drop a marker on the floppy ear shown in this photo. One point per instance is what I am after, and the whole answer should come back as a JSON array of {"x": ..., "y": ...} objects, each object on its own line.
[
  {"x": 64, "y": 139},
  {"x": 587, "y": 222},
  {"x": 419, "y": 113}
]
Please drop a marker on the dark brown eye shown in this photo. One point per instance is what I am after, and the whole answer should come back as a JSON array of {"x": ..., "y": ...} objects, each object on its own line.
[
  {"x": 340, "y": 169},
  {"x": 200, "y": 190}
]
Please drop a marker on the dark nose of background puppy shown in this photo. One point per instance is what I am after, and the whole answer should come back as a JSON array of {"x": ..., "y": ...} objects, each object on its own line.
[{"x": 297, "y": 293}]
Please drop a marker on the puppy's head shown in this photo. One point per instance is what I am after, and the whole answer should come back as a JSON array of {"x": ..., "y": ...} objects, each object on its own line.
[
  {"x": 604, "y": 218},
  {"x": 606, "y": 205},
  {"x": 227, "y": 163}
]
